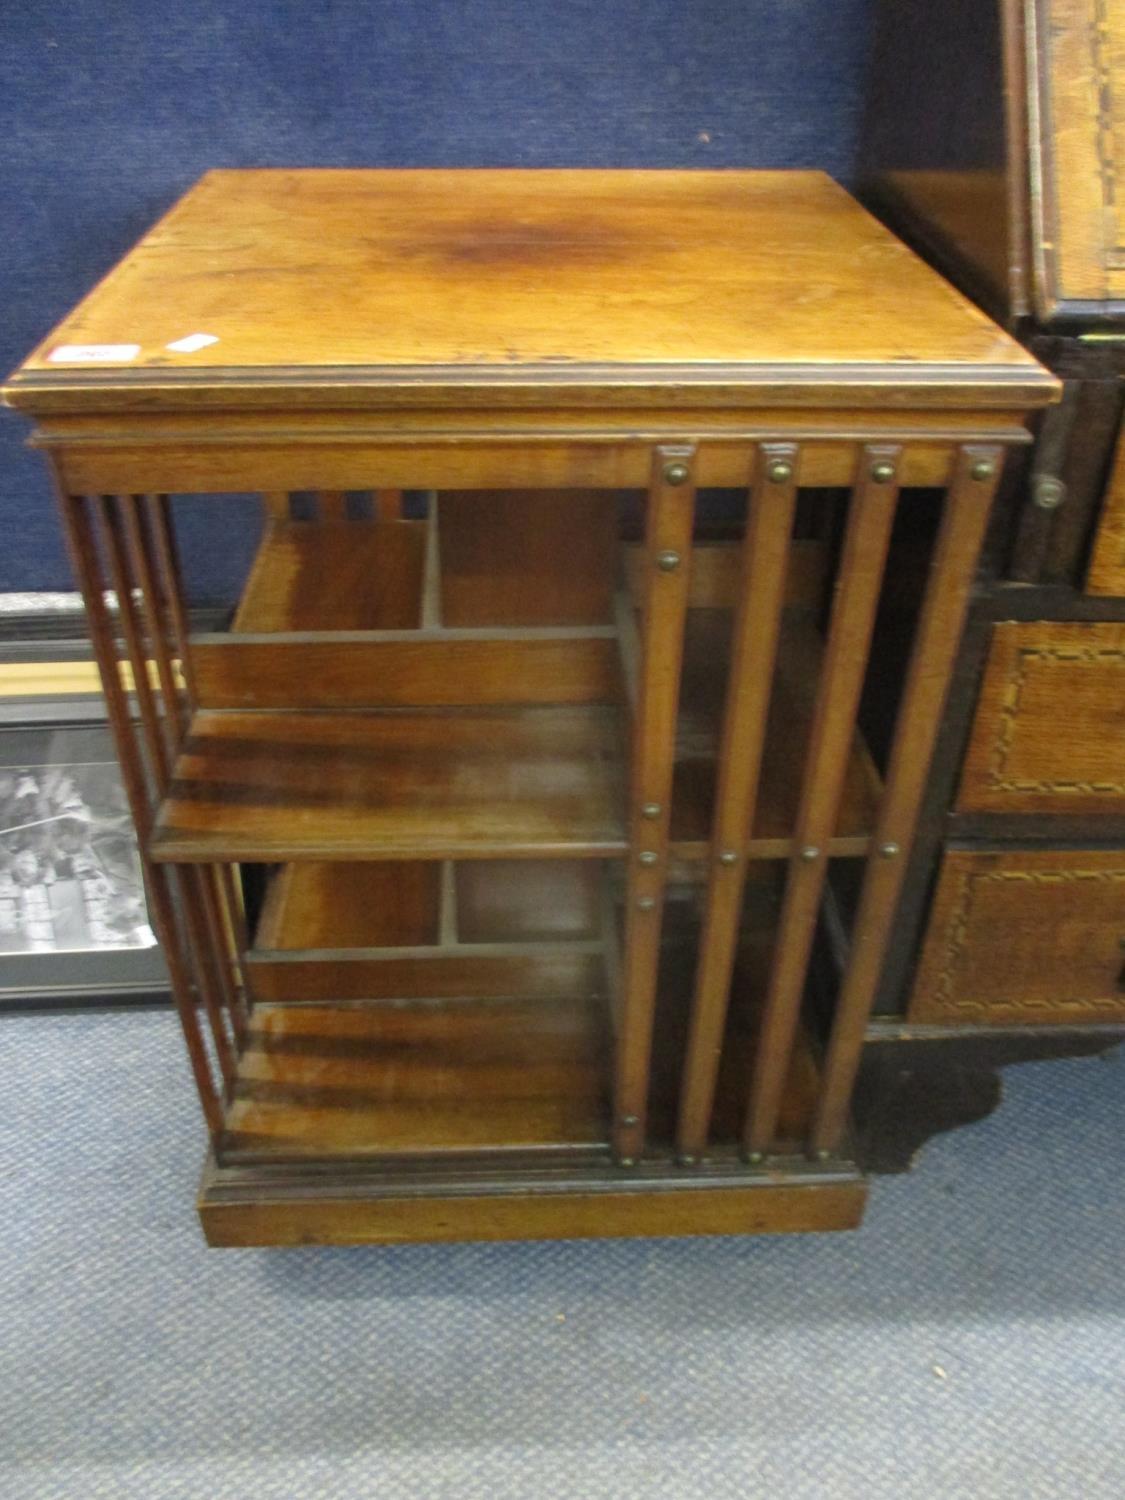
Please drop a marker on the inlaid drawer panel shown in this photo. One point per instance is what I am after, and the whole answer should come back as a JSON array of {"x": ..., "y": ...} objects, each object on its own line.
[
  {"x": 1049, "y": 734},
  {"x": 1107, "y": 562},
  {"x": 1025, "y": 938}
]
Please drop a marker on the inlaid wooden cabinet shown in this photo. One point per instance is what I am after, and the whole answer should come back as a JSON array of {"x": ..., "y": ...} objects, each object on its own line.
[
  {"x": 489, "y": 842},
  {"x": 994, "y": 140}
]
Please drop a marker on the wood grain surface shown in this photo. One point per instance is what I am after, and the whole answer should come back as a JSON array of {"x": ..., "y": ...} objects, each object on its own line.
[
  {"x": 534, "y": 277},
  {"x": 262, "y": 786}
]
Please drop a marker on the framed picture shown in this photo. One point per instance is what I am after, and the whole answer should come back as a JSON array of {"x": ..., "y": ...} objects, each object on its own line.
[{"x": 74, "y": 923}]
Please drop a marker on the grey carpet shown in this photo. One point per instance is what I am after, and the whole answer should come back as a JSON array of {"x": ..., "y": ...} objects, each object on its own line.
[{"x": 968, "y": 1341}]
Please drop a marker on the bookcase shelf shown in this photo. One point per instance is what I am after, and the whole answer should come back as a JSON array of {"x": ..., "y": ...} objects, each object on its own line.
[
  {"x": 336, "y": 1082},
  {"x": 436, "y": 785}
]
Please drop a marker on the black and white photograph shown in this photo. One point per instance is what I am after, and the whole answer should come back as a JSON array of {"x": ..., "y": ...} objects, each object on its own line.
[{"x": 70, "y": 878}]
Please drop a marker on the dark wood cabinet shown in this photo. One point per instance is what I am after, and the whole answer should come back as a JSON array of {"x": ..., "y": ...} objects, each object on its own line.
[{"x": 994, "y": 140}]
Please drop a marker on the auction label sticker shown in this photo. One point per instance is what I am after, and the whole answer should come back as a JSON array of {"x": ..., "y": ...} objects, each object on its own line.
[
  {"x": 192, "y": 343},
  {"x": 93, "y": 354}
]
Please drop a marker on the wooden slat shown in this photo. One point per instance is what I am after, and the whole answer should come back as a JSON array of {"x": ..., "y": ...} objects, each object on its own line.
[
  {"x": 935, "y": 647},
  {"x": 668, "y": 527},
  {"x": 84, "y": 555},
  {"x": 164, "y": 538},
  {"x": 447, "y": 905},
  {"x": 206, "y": 963},
  {"x": 218, "y": 935},
  {"x": 232, "y": 912},
  {"x": 426, "y": 785},
  {"x": 156, "y": 740},
  {"x": 430, "y": 670},
  {"x": 762, "y": 591},
  {"x": 431, "y": 611},
  {"x": 153, "y": 604},
  {"x": 863, "y": 558}
]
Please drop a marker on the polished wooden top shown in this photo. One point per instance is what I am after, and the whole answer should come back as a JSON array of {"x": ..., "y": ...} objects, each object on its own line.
[{"x": 536, "y": 280}]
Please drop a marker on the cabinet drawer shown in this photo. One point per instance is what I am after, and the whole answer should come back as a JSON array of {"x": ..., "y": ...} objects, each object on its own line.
[
  {"x": 1107, "y": 562},
  {"x": 1049, "y": 734},
  {"x": 1025, "y": 938}
]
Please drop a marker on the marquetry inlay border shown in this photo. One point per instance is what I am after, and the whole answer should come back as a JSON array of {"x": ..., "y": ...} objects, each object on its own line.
[
  {"x": 989, "y": 782},
  {"x": 942, "y": 992}
]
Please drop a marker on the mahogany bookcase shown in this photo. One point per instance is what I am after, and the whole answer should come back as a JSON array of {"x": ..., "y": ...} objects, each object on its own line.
[{"x": 487, "y": 846}]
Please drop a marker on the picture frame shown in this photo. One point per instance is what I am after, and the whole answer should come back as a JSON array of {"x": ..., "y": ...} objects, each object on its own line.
[{"x": 74, "y": 925}]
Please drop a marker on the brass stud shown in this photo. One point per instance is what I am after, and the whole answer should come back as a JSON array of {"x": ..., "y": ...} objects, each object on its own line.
[
  {"x": 780, "y": 472},
  {"x": 668, "y": 562},
  {"x": 728, "y": 857},
  {"x": 983, "y": 469},
  {"x": 1048, "y": 492},
  {"x": 648, "y": 857},
  {"x": 888, "y": 851},
  {"x": 651, "y": 810},
  {"x": 676, "y": 474},
  {"x": 882, "y": 473},
  {"x": 809, "y": 853},
  {"x": 755, "y": 1158},
  {"x": 646, "y": 903}
]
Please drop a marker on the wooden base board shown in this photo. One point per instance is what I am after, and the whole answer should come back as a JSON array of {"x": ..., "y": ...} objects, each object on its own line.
[{"x": 239, "y": 1209}]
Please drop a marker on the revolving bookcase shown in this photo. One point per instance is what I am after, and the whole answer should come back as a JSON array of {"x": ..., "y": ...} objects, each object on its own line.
[{"x": 489, "y": 843}]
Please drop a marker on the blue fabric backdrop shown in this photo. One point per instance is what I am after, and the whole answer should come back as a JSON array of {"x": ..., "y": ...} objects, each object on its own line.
[{"x": 109, "y": 109}]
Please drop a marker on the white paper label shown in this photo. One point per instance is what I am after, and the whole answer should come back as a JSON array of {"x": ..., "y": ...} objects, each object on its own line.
[
  {"x": 91, "y": 354},
  {"x": 192, "y": 342}
]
